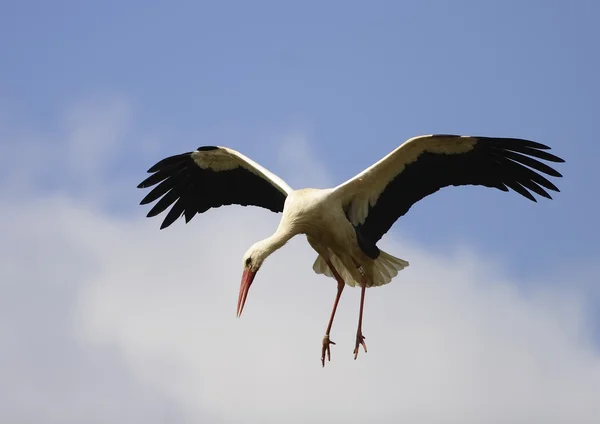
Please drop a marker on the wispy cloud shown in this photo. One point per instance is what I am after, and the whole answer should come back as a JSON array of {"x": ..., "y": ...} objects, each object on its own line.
[
  {"x": 297, "y": 156},
  {"x": 107, "y": 319},
  {"x": 73, "y": 154},
  {"x": 95, "y": 130}
]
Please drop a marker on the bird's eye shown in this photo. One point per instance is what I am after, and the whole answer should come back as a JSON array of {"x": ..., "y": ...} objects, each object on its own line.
[{"x": 248, "y": 261}]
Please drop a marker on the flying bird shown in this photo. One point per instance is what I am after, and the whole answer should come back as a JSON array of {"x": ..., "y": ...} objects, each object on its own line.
[{"x": 344, "y": 224}]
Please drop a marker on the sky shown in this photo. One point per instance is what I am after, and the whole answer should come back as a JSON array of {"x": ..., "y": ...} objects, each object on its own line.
[{"x": 106, "y": 319}]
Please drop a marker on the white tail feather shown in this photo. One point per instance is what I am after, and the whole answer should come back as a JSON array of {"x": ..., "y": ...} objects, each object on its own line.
[{"x": 385, "y": 268}]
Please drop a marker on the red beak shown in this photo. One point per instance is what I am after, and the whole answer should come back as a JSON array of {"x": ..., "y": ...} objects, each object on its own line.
[{"x": 247, "y": 278}]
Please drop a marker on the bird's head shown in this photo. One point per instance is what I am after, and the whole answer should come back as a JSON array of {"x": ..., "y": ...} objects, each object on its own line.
[{"x": 252, "y": 261}]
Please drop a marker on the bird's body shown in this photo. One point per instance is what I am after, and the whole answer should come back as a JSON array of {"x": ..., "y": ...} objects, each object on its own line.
[
  {"x": 319, "y": 215},
  {"x": 343, "y": 224}
]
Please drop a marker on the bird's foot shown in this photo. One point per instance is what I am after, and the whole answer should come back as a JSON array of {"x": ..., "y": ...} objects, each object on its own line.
[
  {"x": 325, "y": 350},
  {"x": 360, "y": 340}
]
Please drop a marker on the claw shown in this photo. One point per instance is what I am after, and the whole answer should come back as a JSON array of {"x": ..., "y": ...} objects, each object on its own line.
[
  {"x": 326, "y": 349},
  {"x": 360, "y": 341}
]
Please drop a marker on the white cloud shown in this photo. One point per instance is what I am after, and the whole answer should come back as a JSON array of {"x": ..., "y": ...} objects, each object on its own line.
[
  {"x": 49, "y": 375},
  {"x": 108, "y": 319},
  {"x": 448, "y": 340}
]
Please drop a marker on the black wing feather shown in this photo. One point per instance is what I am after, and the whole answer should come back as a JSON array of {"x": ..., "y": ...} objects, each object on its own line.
[
  {"x": 189, "y": 189},
  {"x": 500, "y": 163}
]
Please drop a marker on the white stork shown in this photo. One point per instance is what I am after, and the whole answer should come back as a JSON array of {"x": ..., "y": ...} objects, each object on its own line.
[{"x": 343, "y": 224}]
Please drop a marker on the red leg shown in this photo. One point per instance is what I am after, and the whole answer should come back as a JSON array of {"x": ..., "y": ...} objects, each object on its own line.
[
  {"x": 360, "y": 339},
  {"x": 326, "y": 341}
]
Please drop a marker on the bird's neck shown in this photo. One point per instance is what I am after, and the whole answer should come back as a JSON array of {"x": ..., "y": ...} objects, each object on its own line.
[
  {"x": 279, "y": 238},
  {"x": 276, "y": 241}
]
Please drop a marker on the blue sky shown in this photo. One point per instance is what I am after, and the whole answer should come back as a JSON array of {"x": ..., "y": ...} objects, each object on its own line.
[
  {"x": 358, "y": 79},
  {"x": 351, "y": 79}
]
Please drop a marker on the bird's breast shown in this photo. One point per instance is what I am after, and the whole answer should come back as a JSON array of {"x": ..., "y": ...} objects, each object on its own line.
[{"x": 331, "y": 229}]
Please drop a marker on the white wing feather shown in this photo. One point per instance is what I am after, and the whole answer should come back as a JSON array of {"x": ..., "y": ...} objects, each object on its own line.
[
  {"x": 364, "y": 189},
  {"x": 224, "y": 159}
]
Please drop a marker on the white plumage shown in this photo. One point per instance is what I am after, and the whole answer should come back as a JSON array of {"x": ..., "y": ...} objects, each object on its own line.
[{"x": 344, "y": 224}]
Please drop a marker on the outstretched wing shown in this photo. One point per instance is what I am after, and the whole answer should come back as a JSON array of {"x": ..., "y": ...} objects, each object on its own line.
[
  {"x": 378, "y": 196},
  {"x": 210, "y": 177}
]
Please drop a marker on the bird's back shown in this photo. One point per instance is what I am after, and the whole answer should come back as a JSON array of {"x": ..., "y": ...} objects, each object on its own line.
[{"x": 308, "y": 209}]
